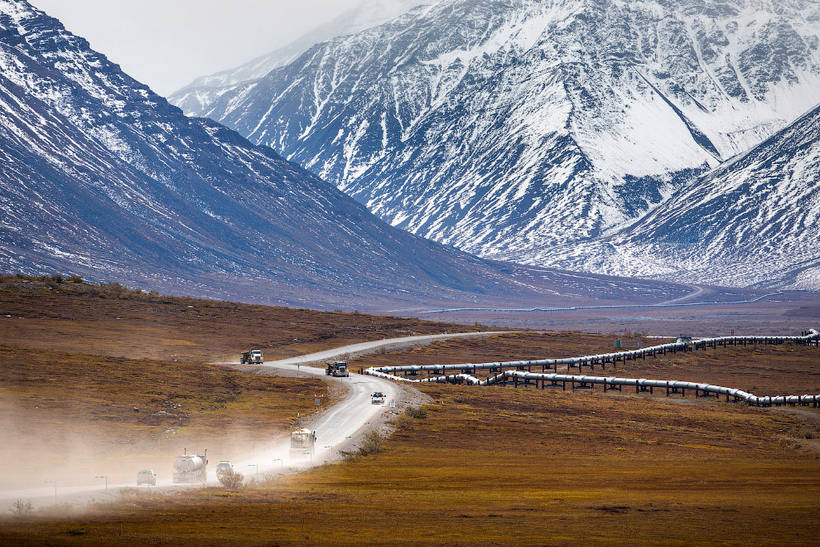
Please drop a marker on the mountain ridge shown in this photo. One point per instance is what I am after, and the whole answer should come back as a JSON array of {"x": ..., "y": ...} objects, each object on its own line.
[
  {"x": 742, "y": 216},
  {"x": 507, "y": 128},
  {"x": 195, "y": 97},
  {"x": 101, "y": 177}
]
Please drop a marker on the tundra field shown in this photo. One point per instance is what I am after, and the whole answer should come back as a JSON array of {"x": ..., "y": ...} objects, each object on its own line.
[
  {"x": 474, "y": 465},
  {"x": 98, "y": 377},
  {"x": 783, "y": 312},
  {"x": 111, "y": 320}
]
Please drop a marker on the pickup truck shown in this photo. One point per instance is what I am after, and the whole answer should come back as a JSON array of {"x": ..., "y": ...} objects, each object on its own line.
[{"x": 223, "y": 466}]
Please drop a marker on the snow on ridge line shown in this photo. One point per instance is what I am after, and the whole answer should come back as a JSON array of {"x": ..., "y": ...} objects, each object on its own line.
[{"x": 499, "y": 137}]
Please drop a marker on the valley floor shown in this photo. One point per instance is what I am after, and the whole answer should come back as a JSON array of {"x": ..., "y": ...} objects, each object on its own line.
[
  {"x": 505, "y": 466},
  {"x": 476, "y": 465},
  {"x": 780, "y": 313}
]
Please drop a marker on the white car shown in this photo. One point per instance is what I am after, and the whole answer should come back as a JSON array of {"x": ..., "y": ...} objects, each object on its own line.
[
  {"x": 223, "y": 466},
  {"x": 377, "y": 398}
]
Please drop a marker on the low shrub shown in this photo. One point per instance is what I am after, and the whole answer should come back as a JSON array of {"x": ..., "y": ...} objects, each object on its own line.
[
  {"x": 416, "y": 412},
  {"x": 371, "y": 444},
  {"x": 21, "y": 508},
  {"x": 232, "y": 480}
]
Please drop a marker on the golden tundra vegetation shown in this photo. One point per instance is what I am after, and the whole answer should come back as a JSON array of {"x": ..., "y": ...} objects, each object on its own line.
[
  {"x": 94, "y": 378},
  {"x": 112, "y": 320},
  {"x": 503, "y": 465}
]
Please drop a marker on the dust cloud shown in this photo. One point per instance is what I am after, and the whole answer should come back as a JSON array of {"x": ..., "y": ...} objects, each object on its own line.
[{"x": 64, "y": 466}]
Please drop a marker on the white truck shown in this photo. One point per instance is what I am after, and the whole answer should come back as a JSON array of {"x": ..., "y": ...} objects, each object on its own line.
[
  {"x": 377, "y": 398},
  {"x": 223, "y": 467},
  {"x": 191, "y": 468},
  {"x": 146, "y": 476},
  {"x": 337, "y": 369},
  {"x": 302, "y": 442},
  {"x": 251, "y": 357}
]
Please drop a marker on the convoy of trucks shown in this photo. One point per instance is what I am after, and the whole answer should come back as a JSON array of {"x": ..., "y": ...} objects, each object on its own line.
[
  {"x": 191, "y": 468},
  {"x": 251, "y": 357}
]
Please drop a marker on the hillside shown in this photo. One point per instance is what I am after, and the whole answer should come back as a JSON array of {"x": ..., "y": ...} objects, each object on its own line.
[
  {"x": 101, "y": 177},
  {"x": 195, "y": 98},
  {"x": 753, "y": 220},
  {"x": 100, "y": 380},
  {"x": 511, "y": 128},
  {"x": 113, "y": 321}
]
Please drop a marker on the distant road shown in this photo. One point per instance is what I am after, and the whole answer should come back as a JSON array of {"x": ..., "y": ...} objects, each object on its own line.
[
  {"x": 698, "y": 291},
  {"x": 669, "y": 304}
]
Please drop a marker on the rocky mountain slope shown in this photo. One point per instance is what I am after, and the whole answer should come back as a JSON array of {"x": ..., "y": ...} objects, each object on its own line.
[
  {"x": 509, "y": 128},
  {"x": 101, "y": 177},
  {"x": 753, "y": 220},
  {"x": 195, "y": 98}
]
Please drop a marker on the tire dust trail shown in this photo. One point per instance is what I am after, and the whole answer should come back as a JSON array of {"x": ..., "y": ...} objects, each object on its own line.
[{"x": 337, "y": 428}]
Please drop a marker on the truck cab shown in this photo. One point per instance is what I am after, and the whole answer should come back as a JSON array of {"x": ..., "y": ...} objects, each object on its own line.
[
  {"x": 251, "y": 357},
  {"x": 223, "y": 466},
  {"x": 337, "y": 369}
]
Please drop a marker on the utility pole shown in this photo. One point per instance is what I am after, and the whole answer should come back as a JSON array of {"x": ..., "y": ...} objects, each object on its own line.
[{"x": 54, "y": 484}]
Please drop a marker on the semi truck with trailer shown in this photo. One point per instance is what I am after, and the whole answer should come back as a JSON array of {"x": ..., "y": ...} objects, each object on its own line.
[{"x": 191, "y": 468}]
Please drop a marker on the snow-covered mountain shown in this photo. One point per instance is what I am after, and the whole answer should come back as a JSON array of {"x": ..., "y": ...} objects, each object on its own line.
[
  {"x": 509, "y": 128},
  {"x": 753, "y": 220},
  {"x": 195, "y": 98},
  {"x": 99, "y": 176}
]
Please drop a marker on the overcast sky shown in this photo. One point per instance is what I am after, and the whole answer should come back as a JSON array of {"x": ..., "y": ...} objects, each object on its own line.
[{"x": 168, "y": 43}]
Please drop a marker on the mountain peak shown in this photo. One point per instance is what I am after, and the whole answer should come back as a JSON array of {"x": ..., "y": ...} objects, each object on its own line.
[
  {"x": 103, "y": 178},
  {"x": 509, "y": 128}
]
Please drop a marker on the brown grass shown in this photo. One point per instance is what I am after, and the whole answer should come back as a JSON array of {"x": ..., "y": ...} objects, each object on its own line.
[
  {"x": 505, "y": 347},
  {"x": 512, "y": 466},
  {"x": 480, "y": 465},
  {"x": 88, "y": 385},
  {"x": 764, "y": 370},
  {"x": 69, "y": 416},
  {"x": 106, "y": 321}
]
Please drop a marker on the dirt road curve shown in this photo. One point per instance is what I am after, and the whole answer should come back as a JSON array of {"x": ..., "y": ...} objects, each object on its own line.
[{"x": 337, "y": 428}]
